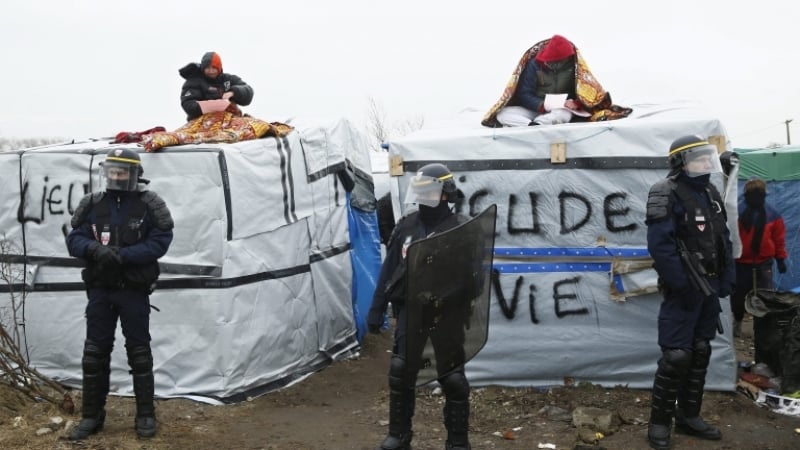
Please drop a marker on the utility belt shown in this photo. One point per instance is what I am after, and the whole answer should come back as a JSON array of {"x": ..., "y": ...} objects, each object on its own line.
[
  {"x": 94, "y": 278},
  {"x": 121, "y": 285}
]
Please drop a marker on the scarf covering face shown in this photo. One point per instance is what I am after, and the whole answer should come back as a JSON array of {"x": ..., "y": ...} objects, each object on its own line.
[{"x": 431, "y": 217}]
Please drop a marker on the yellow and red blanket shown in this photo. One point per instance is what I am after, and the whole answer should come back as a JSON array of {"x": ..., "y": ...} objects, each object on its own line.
[
  {"x": 216, "y": 127},
  {"x": 590, "y": 93}
]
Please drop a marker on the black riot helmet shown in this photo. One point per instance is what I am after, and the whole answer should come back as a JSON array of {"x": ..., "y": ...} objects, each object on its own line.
[
  {"x": 694, "y": 155},
  {"x": 427, "y": 186},
  {"x": 122, "y": 169}
]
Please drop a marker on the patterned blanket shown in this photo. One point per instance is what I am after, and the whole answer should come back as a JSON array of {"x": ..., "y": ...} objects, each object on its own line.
[
  {"x": 222, "y": 126},
  {"x": 589, "y": 91}
]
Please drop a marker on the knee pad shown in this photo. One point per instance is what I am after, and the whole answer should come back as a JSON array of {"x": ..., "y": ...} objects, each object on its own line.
[
  {"x": 675, "y": 361},
  {"x": 455, "y": 386},
  {"x": 140, "y": 359},
  {"x": 701, "y": 353},
  {"x": 397, "y": 373},
  {"x": 95, "y": 357}
]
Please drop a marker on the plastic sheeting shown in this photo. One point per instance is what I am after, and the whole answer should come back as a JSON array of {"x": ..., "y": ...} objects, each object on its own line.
[
  {"x": 777, "y": 164},
  {"x": 366, "y": 261},
  {"x": 574, "y": 294},
  {"x": 257, "y": 288}
]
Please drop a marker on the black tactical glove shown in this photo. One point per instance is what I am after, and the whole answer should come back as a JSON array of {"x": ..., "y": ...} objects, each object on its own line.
[
  {"x": 726, "y": 289},
  {"x": 781, "y": 265},
  {"x": 375, "y": 320},
  {"x": 104, "y": 256}
]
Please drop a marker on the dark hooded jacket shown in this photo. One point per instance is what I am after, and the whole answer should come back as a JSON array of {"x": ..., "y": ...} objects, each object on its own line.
[{"x": 198, "y": 87}]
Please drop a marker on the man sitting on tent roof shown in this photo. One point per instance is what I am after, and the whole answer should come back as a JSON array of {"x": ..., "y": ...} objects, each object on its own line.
[
  {"x": 208, "y": 89},
  {"x": 552, "y": 66}
]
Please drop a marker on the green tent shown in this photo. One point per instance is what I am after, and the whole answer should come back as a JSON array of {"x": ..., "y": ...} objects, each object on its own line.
[{"x": 770, "y": 164}]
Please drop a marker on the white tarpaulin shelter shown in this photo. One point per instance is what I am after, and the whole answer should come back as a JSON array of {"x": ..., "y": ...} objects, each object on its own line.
[
  {"x": 574, "y": 297},
  {"x": 256, "y": 289}
]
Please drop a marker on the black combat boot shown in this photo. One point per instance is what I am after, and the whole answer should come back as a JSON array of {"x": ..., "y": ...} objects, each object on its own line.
[
  {"x": 690, "y": 397},
  {"x": 140, "y": 359},
  {"x": 96, "y": 363},
  {"x": 662, "y": 409},
  {"x": 671, "y": 366},
  {"x": 456, "y": 420},
  {"x": 401, "y": 407}
]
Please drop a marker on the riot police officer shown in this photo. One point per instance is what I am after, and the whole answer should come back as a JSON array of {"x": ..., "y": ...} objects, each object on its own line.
[
  {"x": 433, "y": 188},
  {"x": 688, "y": 238},
  {"x": 121, "y": 233}
]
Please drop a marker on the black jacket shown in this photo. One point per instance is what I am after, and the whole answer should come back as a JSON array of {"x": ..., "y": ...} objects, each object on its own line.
[
  {"x": 409, "y": 229},
  {"x": 198, "y": 87}
]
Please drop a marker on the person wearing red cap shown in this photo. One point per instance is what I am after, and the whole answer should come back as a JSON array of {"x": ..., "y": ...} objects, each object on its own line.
[
  {"x": 208, "y": 89},
  {"x": 551, "y": 71}
]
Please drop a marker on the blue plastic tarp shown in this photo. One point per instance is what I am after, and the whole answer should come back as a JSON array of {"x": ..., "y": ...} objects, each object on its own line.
[{"x": 365, "y": 255}]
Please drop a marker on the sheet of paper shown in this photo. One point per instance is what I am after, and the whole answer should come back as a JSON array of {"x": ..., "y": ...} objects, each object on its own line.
[{"x": 554, "y": 101}]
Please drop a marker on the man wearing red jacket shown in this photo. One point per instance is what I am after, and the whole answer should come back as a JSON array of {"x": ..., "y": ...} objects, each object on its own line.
[{"x": 763, "y": 236}]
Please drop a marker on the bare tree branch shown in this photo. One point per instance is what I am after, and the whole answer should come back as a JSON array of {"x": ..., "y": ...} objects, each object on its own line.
[
  {"x": 14, "y": 369},
  {"x": 380, "y": 130},
  {"x": 376, "y": 123}
]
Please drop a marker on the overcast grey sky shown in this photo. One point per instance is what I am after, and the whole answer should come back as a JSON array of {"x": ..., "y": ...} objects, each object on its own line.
[{"x": 91, "y": 68}]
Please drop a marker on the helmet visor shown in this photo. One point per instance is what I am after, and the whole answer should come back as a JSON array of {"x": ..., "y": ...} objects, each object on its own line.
[
  {"x": 702, "y": 160},
  {"x": 120, "y": 176},
  {"x": 424, "y": 190}
]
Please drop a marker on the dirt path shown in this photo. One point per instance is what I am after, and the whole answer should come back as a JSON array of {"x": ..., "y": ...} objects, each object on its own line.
[{"x": 345, "y": 407}]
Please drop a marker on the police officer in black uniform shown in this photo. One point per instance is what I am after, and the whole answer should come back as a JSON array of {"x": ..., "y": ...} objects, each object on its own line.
[
  {"x": 685, "y": 212},
  {"x": 433, "y": 188},
  {"x": 121, "y": 233}
]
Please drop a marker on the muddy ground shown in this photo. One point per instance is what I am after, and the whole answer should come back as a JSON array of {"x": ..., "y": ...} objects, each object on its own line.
[{"x": 345, "y": 407}]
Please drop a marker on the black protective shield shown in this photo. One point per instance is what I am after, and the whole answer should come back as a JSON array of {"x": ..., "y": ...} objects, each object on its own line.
[{"x": 448, "y": 297}]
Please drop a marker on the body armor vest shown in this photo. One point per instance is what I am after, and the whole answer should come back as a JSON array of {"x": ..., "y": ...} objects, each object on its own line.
[
  {"x": 704, "y": 227},
  {"x": 133, "y": 276}
]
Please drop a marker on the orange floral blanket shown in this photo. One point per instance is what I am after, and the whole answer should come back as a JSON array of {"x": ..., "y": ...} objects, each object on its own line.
[
  {"x": 216, "y": 127},
  {"x": 590, "y": 93}
]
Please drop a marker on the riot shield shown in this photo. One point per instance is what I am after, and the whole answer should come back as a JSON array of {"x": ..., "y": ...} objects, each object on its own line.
[{"x": 448, "y": 297}]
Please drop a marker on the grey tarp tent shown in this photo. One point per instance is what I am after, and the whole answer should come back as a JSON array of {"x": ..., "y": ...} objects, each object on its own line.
[
  {"x": 574, "y": 295},
  {"x": 256, "y": 288}
]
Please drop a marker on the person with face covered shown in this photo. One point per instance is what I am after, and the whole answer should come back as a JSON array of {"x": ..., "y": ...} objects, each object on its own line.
[
  {"x": 208, "y": 89},
  {"x": 433, "y": 189},
  {"x": 763, "y": 235},
  {"x": 687, "y": 224}
]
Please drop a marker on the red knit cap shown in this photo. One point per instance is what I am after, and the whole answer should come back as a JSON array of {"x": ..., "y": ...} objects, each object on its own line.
[
  {"x": 557, "y": 48},
  {"x": 211, "y": 59}
]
